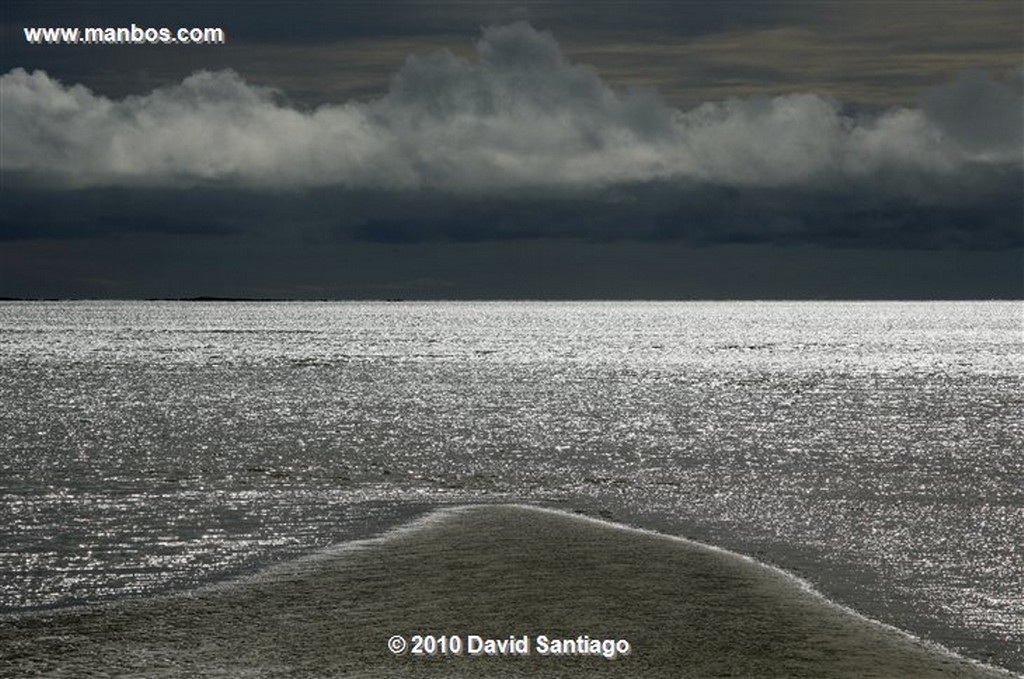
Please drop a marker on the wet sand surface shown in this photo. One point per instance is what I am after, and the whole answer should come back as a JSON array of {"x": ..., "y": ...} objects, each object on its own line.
[{"x": 493, "y": 571}]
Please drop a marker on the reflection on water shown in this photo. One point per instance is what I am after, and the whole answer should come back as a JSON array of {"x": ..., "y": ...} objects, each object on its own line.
[{"x": 873, "y": 448}]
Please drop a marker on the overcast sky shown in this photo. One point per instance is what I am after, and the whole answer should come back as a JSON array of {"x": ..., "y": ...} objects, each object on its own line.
[{"x": 500, "y": 150}]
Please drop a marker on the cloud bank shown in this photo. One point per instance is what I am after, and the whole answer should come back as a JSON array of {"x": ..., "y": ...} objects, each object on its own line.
[{"x": 520, "y": 117}]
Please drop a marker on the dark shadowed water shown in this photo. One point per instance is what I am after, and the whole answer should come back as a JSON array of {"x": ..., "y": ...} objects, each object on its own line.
[{"x": 873, "y": 448}]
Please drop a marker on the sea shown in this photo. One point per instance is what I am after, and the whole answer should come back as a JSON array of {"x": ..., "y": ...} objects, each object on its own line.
[{"x": 874, "y": 449}]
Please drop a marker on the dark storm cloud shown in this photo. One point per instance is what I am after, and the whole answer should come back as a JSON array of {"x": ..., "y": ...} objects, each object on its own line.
[
  {"x": 870, "y": 52},
  {"x": 521, "y": 116},
  {"x": 980, "y": 115},
  {"x": 521, "y": 144},
  {"x": 665, "y": 150},
  {"x": 653, "y": 212},
  {"x": 311, "y": 21},
  {"x": 300, "y": 21},
  {"x": 43, "y": 214},
  {"x": 710, "y": 215}
]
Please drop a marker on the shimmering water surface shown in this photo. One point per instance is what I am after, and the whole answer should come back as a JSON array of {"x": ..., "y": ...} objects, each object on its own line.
[{"x": 873, "y": 448}]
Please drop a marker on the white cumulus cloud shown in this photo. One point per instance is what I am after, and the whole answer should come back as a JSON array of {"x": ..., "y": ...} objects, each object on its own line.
[{"x": 519, "y": 116}]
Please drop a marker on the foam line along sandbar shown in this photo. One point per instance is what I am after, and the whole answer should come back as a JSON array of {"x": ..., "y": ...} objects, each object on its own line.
[{"x": 497, "y": 579}]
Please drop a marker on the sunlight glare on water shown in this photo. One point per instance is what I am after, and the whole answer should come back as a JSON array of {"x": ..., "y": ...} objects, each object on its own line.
[{"x": 872, "y": 448}]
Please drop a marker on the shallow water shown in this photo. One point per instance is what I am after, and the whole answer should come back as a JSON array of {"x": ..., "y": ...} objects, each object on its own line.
[
  {"x": 873, "y": 448},
  {"x": 661, "y": 608}
]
